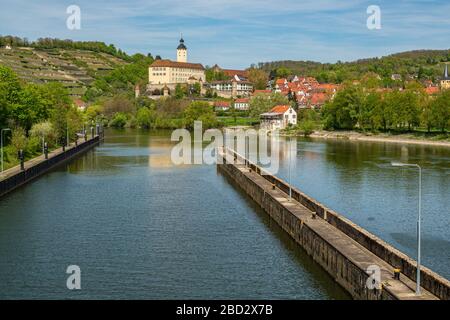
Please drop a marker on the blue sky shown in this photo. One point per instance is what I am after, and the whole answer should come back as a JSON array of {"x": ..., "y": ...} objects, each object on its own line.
[{"x": 236, "y": 33}]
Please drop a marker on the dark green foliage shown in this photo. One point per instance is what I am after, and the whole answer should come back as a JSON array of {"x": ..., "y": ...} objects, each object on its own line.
[{"x": 424, "y": 64}]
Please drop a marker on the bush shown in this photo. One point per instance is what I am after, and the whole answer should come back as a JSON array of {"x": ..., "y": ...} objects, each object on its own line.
[
  {"x": 144, "y": 118},
  {"x": 119, "y": 120},
  {"x": 306, "y": 127}
]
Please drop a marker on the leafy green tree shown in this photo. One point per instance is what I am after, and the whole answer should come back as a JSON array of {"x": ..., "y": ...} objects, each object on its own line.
[
  {"x": 212, "y": 75},
  {"x": 345, "y": 110},
  {"x": 371, "y": 108},
  {"x": 258, "y": 77},
  {"x": 119, "y": 120},
  {"x": 261, "y": 103},
  {"x": 9, "y": 93},
  {"x": 33, "y": 106},
  {"x": 19, "y": 140},
  {"x": 440, "y": 109},
  {"x": 180, "y": 91},
  {"x": 283, "y": 72},
  {"x": 200, "y": 111},
  {"x": 306, "y": 126},
  {"x": 145, "y": 117}
]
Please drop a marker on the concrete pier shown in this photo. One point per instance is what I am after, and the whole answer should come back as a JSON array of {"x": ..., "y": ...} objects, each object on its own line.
[
  {"x": 15, "y": 177},
  {"x": 346, "y": 251}
]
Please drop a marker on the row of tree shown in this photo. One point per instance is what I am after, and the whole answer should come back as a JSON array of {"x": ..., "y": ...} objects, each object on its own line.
[
  {"x": 53, "y": 43},
  {"x": 421, "y": 65},
  {"x": 34, "y": 112},
  {"x": 358, "y": 106},
  {"x": 122, "y": 111},
  {"x": 121, "y": 80}
]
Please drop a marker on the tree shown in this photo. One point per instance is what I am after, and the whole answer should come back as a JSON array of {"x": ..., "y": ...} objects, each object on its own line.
[
  {"x": 33, "y": 106},
  {"x": 258, "y": 77},
  {"x": 43, "y": 130},
  {"x": 371, "y": 111},
  {"x": 92, "y": 113},
  {"x": 261, "y": 103},
  {"x": 119, "y": 120},
  {"x": 345, "y": 110},
  {"x": 19, "y": 140},
  {"x": 180, "y": 91},
  {"x": 117, "y": 104},
  {"x": 306, "y": 126},
  {"x": 200, "y": 111},
  {"x": 283, "y": 72},
  {"x": 213, "y": 75},
  {"x": 440, "y": 108},
  {"x": 145, "y": 117},
  {"x": 9, "y": 93}
]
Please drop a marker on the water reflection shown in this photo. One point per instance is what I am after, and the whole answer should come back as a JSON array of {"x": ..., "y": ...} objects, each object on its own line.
[{"x": 357, "y": 180}]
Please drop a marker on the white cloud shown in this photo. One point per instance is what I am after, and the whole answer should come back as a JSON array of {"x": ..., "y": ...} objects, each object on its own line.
[{"x": 235, "y": 33}]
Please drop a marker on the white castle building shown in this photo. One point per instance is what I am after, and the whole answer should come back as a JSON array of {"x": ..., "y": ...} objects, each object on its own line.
[{"x": 163, "y": 74}]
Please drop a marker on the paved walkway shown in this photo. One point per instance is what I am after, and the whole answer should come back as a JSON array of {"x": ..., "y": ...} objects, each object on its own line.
[{"x": 14, "y": 170}]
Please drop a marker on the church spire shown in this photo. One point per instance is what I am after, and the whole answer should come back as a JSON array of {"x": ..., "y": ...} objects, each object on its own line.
[
  {"x": 446, "y": 71},
  {"x": 181, "y": 51}
]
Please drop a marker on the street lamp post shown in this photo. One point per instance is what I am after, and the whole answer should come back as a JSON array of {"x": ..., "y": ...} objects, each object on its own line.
[
  {"x": 1, "y": 138},
  {"x": 289, "y": 168},
  {"x": 399, "y": 164}
]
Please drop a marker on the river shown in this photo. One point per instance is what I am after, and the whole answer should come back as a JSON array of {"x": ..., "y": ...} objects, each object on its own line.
[{"x": 140, "y": 227}]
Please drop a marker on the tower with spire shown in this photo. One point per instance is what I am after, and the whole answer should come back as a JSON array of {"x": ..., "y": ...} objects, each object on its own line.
[
  {"x": 445, "y": 82},
  {"x": 181, "y": 51}
]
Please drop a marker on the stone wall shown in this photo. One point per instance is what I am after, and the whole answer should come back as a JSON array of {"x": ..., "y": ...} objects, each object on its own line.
[
  {"x": 22, "y": 177},
  {"x": 351, "y": 277},
  {"x": 431, "y": 281}
]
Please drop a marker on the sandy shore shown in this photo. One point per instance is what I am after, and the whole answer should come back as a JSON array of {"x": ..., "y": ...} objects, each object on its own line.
[{"x": 356, "y": 136}]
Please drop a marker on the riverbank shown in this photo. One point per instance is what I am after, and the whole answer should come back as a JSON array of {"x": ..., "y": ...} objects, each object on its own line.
[
  {"x": 15, "y": 177},
  {"x": 382, "y": 137}
]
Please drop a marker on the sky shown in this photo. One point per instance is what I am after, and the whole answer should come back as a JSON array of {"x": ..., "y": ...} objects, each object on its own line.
[{"x": 237, "y": 33}]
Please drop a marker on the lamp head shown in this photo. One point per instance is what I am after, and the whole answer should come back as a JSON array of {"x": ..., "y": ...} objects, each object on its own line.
[{"x": 398, "y": 164}]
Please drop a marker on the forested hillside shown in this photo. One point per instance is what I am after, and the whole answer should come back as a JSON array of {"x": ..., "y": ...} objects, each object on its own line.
[{"x": 420, "y": 64}]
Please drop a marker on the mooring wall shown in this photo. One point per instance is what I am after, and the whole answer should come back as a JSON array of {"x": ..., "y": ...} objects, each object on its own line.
[
  {"x": 34, "y": 168},
  {"x": 346, "y": 273}
]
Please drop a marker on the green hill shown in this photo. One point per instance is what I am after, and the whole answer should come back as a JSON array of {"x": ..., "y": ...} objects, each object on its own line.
[
  {"x": 418, "y": 64},
  {"x": 76, "y": 69}
]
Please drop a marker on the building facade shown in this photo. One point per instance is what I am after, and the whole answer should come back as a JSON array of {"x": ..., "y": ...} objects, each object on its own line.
[
  {"x": 278, "y": 118},
  {"x": 168, "y": 73},
  {"x": 232, "y": 88},
  {"x": 445, "y": 82},
  {"x": 242, "y": 104}
]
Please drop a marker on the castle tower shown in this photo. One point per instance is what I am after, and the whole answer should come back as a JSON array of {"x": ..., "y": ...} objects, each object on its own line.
[
  {"x": 181, "y": 51},
  {"x": 445, "y": 82}
]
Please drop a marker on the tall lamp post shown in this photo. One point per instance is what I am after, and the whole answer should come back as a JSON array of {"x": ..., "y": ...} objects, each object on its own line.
[
  {"x": 289, "y": 168},
  {"x": 1, "y": 138},
  {"x": 399, "y": 164}
]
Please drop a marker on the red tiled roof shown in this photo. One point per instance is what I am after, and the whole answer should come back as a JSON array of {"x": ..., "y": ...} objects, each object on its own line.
[
  {"x": 242, "y": 100},
  {"x": 232, "y": 73},
  {"x": 280, "y": 109},
  {"x": 318, "y": 98},
  {"x": 262, "y": 91},
  {"x": 328, "y": 86},
  {"x": 175, "y": 64},
  {"x": 222, "y": 104},
  {"x": 432, "y": 90},
  {"x": 79, "y": 103}
]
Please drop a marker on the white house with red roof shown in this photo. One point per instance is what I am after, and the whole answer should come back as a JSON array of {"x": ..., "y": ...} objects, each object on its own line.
[
  {"x": 242, "y": 104},
  {"x": 279, "y": 117},
  {"x": 221, "y": 105}
]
